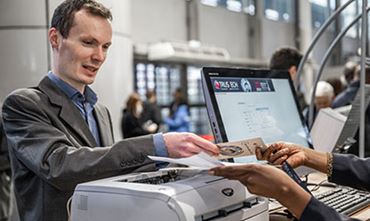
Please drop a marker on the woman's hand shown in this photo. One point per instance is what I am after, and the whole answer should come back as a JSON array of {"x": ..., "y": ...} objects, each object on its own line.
[
  {"x": 268, "y": 181},
  {"x": 295, "y": 155},
  {"x": 279, "y": 152}
]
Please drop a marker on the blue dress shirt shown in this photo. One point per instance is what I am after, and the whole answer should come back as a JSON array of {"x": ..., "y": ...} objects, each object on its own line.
[{"x": 84, "y": 103}]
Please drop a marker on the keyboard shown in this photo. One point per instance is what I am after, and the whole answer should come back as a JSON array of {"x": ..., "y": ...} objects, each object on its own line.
[{"x": 345, "y": 200}]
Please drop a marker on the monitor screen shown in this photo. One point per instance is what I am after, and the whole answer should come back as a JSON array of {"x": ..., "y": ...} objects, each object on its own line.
[{"x": 248, "y": 103}]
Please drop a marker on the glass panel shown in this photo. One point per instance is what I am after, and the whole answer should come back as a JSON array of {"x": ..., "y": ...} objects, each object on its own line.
[
  {"x": 140, "y": 79},
  {"x": 163, "y": 97},
  {"x": 150, "y": 77},
  {"x": 348, "y": 15},
  {"x": 175, "y": 81},
  {"x": 195, "y": 92},
  {"x": 320, "y": 12},
  {"x": 199, "y": 121},
  {"x": 279, "y": 10},
  {"x": 247, "y": 6},
  {"x": 234, "y": 5}
]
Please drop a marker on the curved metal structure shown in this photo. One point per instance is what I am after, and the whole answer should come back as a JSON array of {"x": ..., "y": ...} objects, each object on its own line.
[
  {"x": 325, "y": 59},
  {"x": 318, "y": 34},
  {"x": 364, "y": 38}
]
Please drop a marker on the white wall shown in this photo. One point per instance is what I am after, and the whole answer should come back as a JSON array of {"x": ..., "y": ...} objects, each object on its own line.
[
  {"x": 23, "y": 44},
  {"x": 154, "y": 21},
  {"x": 223, "y": 28},
  {"x": 275, "y": 35},
  {"x": 159, "y": 20}
]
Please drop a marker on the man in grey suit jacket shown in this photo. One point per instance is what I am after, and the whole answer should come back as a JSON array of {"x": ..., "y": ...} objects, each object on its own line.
[
  {"x": 269, "y": 181},
  {"x": 59, "y": 136}
]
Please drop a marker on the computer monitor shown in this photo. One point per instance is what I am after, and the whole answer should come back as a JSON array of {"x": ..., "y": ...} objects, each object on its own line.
[{"x": 248, "y": 103}]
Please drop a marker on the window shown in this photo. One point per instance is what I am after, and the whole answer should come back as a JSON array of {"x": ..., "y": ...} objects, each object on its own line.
[
  {"x": 195, "y": 93},
  {"x": 164, "y": 78},
  {"x": 320, "y": 12},
  {"x": 247, "y": 6},
  {"x": 279, "y": 10},
  {"x": 198, "y": 112},
  {"x": 349, "y": 14}
]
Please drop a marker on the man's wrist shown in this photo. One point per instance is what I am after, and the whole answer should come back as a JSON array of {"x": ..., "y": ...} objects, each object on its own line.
[{"x": 160, "y": 145}]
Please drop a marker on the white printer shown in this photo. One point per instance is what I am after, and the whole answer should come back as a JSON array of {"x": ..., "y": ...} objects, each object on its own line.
[{"x": 180, "y": 194}]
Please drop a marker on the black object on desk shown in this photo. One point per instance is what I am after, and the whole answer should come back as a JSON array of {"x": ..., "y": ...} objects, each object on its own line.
[{"x": 292, "y": 174}]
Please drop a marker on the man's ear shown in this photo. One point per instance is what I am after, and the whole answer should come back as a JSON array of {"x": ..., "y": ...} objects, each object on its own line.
[
  {"x": 54, "y": 38},
  {"x": 293, "y": 72}
]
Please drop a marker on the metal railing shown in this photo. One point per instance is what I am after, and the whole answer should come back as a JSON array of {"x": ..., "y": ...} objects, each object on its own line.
[{"x": 364, "y": 35}]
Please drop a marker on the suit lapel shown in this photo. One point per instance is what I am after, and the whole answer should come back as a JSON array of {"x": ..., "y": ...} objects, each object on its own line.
[
  {"x": 72, "y": 116},
  {"x": 102, "y": 119},
  {"x": 68, "y": 111}
]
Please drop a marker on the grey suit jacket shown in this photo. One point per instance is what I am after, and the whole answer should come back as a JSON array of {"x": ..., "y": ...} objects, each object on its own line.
[
  {"x": 52, "y": 150},
  {"x": 348, "y": 170},
  {"x": 4, "y": 175},
  {"x": 4, "y": 157}
]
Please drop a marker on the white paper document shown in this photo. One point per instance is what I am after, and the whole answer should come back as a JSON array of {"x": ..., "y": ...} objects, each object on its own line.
[
  {"x": 327, "y": 129},
  {"x": 227, "y": 150},
  {"x": 201, "y": 160}
]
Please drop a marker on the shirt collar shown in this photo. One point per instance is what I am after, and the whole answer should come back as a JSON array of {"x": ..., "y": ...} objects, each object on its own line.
[{"x": 72, "y": 93}]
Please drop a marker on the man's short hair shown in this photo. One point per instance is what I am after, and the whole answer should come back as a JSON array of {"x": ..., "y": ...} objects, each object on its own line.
[
  {"x": 64, "y": 14},
  {"x": 349, "y": 71},
  {"x": 285, "y": 58},
  {"x": 149, "y": 94}
]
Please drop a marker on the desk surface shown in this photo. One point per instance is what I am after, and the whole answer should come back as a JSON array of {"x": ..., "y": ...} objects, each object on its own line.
[{"x": 363, "y": 214}]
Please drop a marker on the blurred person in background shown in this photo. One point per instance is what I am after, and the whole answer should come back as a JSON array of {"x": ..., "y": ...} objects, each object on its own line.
[
  {"x": 132, "y": 124},
  {"x": 337, "y": 85},
  {"x": 349, "y": 71},
  {"x": 288, "y": 59},
  {"x": 348, "y": 95},
  {"x": 324, "y": 96},
  {"x": 151, "y": 113},
  {"x": 179, "y": 119}
]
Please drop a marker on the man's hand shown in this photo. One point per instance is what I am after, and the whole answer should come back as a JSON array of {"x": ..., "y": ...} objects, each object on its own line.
[
  {"x": 187, "y": 144},
  {"x": 279, "y": 152},
  {"x": 268, "y": 181}
]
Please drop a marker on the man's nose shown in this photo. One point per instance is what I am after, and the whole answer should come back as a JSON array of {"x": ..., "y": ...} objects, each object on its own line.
[{"x": 99, "y": 54}]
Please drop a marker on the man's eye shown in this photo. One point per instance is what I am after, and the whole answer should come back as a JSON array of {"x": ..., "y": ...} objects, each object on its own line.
[
  {"x": 87, "y": 42},
  {"x": 106, "y": 47}
]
